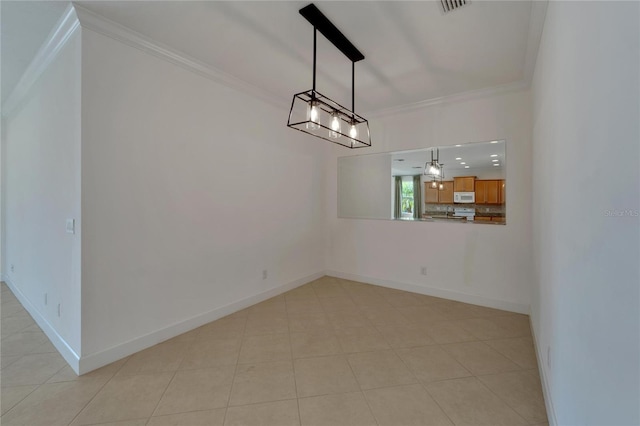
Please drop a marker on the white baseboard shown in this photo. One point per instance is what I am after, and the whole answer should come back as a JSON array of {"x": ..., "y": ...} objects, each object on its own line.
[
  {"x": 436, "y": 292},
  {"x": 99, "y": 359},
  {"x": 61, "y": 345},
  {"x": 546, "y": 391}
]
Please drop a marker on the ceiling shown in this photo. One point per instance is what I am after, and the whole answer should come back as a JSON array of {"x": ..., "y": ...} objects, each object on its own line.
[
  {"x": 475, "y": 155},
  {"x": 413, "y": 51}
]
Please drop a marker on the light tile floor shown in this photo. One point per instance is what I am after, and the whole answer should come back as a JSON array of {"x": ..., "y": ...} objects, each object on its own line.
[{"x": 332, "y": 352}]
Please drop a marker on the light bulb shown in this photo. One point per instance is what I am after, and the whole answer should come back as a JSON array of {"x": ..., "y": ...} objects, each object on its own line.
[
  {"x": 313, "y": 116},
  {"x": 434, "y": 184},
  {"x": 441, "y": 186},
  {"x": 353, "y": 132},
  {"x": 335, "y": 126}
]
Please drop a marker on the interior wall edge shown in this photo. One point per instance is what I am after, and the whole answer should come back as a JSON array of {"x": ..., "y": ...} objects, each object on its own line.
[
  {"x": 546, "y": 389},
  {"x": 69, "y": 355},
  {"x": 520, "y": 308},
  {"x": 99, "y": 359}
]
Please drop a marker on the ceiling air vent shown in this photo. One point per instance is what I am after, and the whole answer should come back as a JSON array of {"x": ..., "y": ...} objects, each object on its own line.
[{"x": 451, "y": 5}]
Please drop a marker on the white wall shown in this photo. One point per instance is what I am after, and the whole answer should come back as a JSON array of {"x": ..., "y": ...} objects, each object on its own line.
[
  {"x": 363, "y": 182},
  {"x": 41, "y": 189},
  {"x": 585, "y": 302},
  {"x": 490, "y": 265},
  {"x": 190, "y": 190}
]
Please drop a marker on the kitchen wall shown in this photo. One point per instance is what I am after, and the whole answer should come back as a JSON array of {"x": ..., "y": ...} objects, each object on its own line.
[
  {"x": 489, "y": 265},
  {"x": 586, "y": 227},
  {"x": 40, "y": 191},
  {"x": 190, "y": 190}
]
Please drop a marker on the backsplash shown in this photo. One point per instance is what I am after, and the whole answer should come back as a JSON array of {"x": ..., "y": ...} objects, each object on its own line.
[{"x": 481, "y": 209}]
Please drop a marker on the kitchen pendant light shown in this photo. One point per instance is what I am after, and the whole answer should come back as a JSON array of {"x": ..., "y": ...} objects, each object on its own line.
[
  {"x": 315, "y": 114},
  {"x": 432, "y": 168}
]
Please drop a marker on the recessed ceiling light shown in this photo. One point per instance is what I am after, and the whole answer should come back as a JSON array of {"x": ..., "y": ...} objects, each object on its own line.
[
  {"x": 494, "y": 141},
  {"x": 466, "y": 167},
  {"x": 458, "y": 158},
  {"x": 463, "y": 163},
  {"x": 496, "y": 165},
  {"x": 458, "y": 145},
  {"x": 494, "y": 155},
  {"x": 495, "y": 161},
  {"x": 399, "y": 159}
]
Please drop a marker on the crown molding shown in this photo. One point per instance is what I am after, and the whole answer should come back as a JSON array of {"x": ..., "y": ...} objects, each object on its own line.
[
  {"x": 459, "y": 97},
  {"x": 95, "y": 22},
  {"x": 57, "y": 38},
  {"x": 76, "y": 16}
]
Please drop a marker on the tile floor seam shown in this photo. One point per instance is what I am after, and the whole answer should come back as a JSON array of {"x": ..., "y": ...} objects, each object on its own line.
[
  {"x": 361, "y": 390},
  {"x": 502, "y": 399},
  {"x": 16, "y": 404},
  {"x": 423, "y": 385},
  {"x": 163, "y": 393},
  {"x": 235, "y": 368},
  {"x": 293, "y": 366},
  {"x": 96, "y": 394}
]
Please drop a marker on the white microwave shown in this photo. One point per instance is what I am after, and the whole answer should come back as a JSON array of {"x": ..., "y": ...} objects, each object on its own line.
[{"x": 464, "y": 197}]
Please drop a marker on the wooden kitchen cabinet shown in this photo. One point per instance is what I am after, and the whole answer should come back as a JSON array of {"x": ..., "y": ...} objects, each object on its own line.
[
  {"x": 438, "y": 196},
  {"x": 430, "y": 194},
  {"x": 445, "y": 196},
  {"x": 502, "y": 191},
  {"x": 464, "y": 184},
  {"x": 488, "y": 191}
]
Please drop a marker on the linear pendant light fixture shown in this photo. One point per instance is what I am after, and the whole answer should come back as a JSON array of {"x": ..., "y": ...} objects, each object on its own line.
[{"x": 315, "y": 114}]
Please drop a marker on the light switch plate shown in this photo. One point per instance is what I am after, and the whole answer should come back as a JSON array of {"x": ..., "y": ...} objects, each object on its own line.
[{"x": 71, "y": 226}]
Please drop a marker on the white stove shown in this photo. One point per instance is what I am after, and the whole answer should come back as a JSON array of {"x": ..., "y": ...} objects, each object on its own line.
[{"x": 467, "y": 212}]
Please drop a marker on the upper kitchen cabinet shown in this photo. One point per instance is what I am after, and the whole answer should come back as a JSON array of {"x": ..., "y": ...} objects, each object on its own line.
[
  {"x": 436, "y": 195},
  {"x": 446, "y": 194},
  {"x": 489, "y": 191},
  {"x": 464, "y": 184}
]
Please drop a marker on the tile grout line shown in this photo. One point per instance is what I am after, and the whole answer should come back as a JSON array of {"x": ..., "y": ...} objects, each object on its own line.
[
  {"x": 293, "y": 364},
  {"x": 99, "y": 390},
  {"x": 235, "y": 367},
  {"x": 419, "y": 382}
]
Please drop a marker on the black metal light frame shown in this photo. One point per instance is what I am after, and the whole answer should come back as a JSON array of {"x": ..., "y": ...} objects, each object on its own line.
[
  {"x": 433, "y": 163},
  {"x": 309, "y": 98}
]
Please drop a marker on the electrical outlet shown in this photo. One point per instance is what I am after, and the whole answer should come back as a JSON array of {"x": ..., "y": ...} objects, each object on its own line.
[
  {"x": 58, "y": 309},
  {"x": 264, "y": 274},
  {"x": 70, "y": 226},
  {"x": 423, "y": 270},
  {"x": 12, "y": 268},
  {"x": 549, "y": 358}
]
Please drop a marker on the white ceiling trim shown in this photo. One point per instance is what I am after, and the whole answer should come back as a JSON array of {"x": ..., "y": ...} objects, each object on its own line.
[
  {"x": 459, "y": 97},
  {"x": 116, "y": 31},
  {"x": 54, "y": 42},
  {"x": 76, "y": 16}
]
